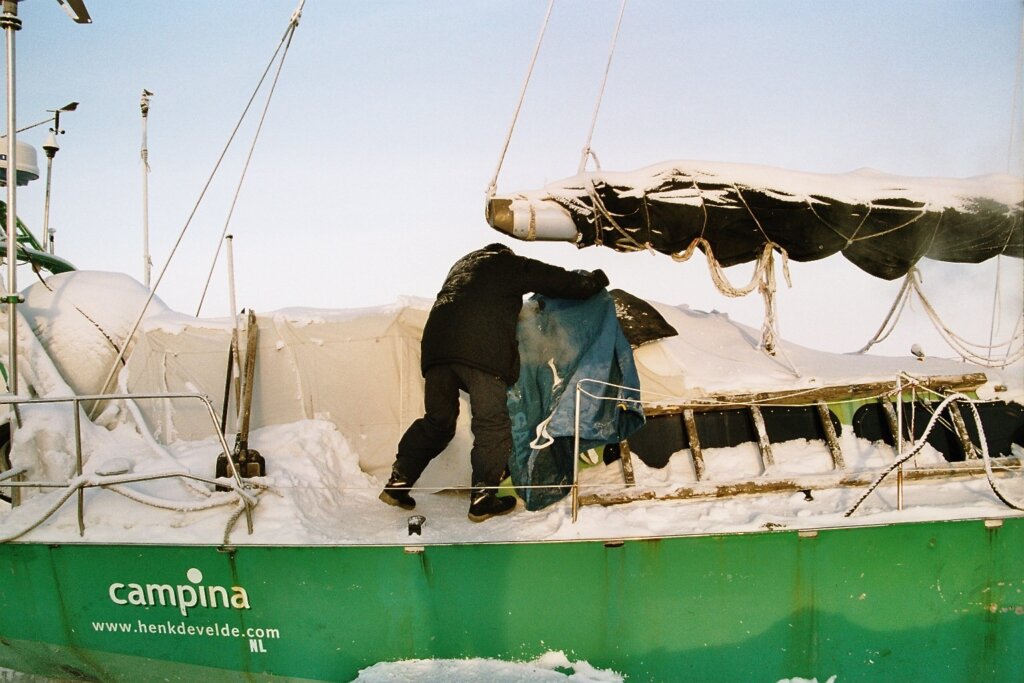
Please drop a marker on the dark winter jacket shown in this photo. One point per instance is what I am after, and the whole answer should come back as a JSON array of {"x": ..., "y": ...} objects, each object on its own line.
[{"x": 473, "y": 321}]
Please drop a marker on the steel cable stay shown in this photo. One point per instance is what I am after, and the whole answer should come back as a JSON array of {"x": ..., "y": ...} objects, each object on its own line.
[
  {"x": 284, "y": 42},
  {"x": 287, "y": 41}
]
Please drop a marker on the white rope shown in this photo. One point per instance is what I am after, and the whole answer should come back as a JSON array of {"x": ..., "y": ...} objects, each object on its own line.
[
  {"x": 762, "y": 279},
  {"x": 72, "y": 487},
  {"x": 600, "y": 93},
  {"x": 974, "y": 352},
  {"x": 492, "y": 187},
  {"x": 543, "y": 438},
  {"x": 601, "y": 210},
  {"x": 923, "y": 441},
  {"x": 893, "y": 316},
  {"x": 996, "y": 296},
  {"x": 147, "y": 436}
]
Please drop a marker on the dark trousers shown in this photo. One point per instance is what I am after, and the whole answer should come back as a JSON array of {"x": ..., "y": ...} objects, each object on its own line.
[{"x": 492, "y": 430}]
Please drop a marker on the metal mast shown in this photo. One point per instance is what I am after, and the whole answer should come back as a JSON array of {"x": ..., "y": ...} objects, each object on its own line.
[
  {"x": 10, "y": 23},
  {"x": 50, "y": 148},
  {"x": 147, "y": 262}
]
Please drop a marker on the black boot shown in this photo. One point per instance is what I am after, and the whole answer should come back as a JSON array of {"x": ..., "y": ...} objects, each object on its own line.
[
  {"x": 484, "y": 503},
  {"x": 396, "y": 492}
]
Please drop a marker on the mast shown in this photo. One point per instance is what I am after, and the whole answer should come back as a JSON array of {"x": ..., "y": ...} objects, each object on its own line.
[
  {"x": 50, "y": 148},
  {"x": 10, "y": 22},
  {"x": 147, "y": 262}
]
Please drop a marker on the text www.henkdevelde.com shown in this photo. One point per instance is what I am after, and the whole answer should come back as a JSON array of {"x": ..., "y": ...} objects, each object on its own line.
[
  {"x": 180, "y": 628},
  {"x": 184, "y": 597}
]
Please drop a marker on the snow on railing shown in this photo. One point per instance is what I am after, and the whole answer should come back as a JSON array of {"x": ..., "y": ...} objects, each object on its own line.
[{"x": 112, "y": 480}]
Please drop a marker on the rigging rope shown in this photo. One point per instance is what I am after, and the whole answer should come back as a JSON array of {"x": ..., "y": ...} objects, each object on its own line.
[
  {"x": 492, "y": 187},
  {"x": 286, "y": 38},
  {"x": 763, "y": 279},
  {"x": 252, "y": 148},
  {"x": 961, "y": 345},
  {"x": 600, "y": 93},
  {"x": 923, "y": 441},
  {"x": 893, "y": 316},
  {"x": 968, "y": 350}
]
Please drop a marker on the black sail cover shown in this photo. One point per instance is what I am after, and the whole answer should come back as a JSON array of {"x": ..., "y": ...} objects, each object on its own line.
[{"x": 882, "y": 223}]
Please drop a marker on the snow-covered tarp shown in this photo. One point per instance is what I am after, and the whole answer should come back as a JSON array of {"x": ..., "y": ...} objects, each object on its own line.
[{"x": 882, "y": 223}]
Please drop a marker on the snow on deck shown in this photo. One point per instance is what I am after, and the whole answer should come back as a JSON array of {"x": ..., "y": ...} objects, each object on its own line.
[{"x": 319, "y": 491}]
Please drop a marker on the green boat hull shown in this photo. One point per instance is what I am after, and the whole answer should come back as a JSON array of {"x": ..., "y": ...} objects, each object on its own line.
[{"x": 939, "y": 601}]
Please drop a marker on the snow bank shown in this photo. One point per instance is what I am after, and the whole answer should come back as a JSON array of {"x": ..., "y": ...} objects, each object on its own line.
[{"x": 553, "y": 666}]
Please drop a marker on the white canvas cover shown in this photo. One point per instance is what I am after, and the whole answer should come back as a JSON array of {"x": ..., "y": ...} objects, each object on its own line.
[
  {"x": 360, "y": 369},
  {"x": 357, "y": 369}
]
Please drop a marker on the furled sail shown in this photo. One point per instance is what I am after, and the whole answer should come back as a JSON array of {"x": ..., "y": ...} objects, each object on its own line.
[{"x": 882, "y": 223}]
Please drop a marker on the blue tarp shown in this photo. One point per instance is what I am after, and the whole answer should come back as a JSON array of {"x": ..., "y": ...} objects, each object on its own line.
[{"x": 562, "y": 342}]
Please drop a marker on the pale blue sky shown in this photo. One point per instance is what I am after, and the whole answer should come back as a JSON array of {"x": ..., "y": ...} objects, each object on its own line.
[{"x": 370, "y": 174}]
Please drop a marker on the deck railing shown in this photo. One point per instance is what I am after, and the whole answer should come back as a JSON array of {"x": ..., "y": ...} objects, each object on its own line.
[
  {"x": 14, "y": 478},
  {"x": 819, "y": 399}
]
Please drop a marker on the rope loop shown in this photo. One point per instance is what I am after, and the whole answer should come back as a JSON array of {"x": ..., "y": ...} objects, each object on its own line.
[{"x": 979, "y": 354}]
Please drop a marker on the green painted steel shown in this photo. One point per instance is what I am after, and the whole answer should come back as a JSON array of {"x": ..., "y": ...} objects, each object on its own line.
[
  {"x": 30, "y": 250},
  {"x": 941, "y": 601}
]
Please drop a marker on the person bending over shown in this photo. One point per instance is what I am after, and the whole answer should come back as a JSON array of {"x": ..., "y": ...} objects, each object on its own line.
[{"x": 469, "y": 344}]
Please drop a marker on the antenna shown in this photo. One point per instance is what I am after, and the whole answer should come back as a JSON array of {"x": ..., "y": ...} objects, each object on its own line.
[
  {"x": 50, "y": 148},
  {"x": 147, "y": 262}
]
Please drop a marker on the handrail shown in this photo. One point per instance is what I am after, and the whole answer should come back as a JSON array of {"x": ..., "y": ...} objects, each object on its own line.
[
  {"x": 854, "y": 392},
  {"x": 77, "y": 400},
  {"x": 13, "y": 472}
]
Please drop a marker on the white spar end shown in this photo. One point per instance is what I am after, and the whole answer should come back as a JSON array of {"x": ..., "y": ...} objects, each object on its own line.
[{"x": 531, "y": 219}]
